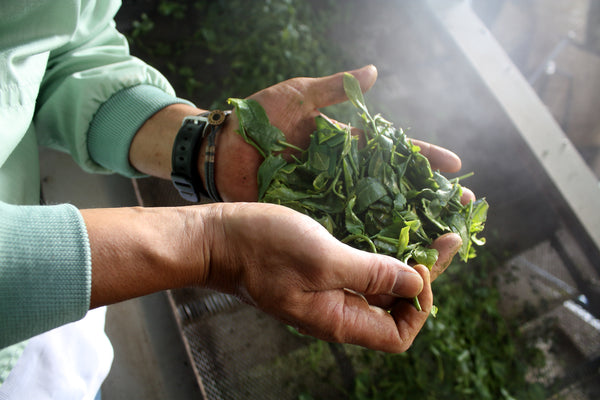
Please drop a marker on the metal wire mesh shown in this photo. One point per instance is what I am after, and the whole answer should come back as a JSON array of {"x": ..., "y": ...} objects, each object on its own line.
[{"x": 239, "y": 352}]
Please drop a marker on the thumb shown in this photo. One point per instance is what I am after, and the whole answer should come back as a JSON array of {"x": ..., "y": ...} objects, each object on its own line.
[
  {"x": 447, "y": 246},
  {"x": 376, "y": 274},
  {"x": 329, "y": 90}
]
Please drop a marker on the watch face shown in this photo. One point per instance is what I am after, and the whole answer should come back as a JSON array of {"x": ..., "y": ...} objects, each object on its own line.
[{"x": 216, "y": 117}]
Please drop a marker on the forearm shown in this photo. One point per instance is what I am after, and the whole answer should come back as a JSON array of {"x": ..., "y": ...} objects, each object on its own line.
[{"x": 138, "y": 251}]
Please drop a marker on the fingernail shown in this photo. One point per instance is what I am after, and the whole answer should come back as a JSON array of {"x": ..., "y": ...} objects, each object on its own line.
[{"x": 408, "y": 284}]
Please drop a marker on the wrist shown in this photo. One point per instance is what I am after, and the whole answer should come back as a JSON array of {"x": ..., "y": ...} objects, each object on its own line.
[
  {"x": 224, "y": 262},
  {"x": 138, "y": 251},
  {"x": 237, "y": 164},
  {"x": 152, "y": 147}
]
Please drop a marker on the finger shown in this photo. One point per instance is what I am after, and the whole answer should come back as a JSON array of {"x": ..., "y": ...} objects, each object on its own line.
[
  {"x": 352, "y": 320},
  {"x": 447, "y": 246},
  {"x": 344, "y": 316},
  {"x": 467, "y": 195},
  {"x": 439, "y": 157},
  {"x": 375, "y": 274},
  {"x": 359, "y": 323},
  {"x": 329, "y": 90},
  {"x": 409, "y": 320},
  {"x": 388, "y": 301}
]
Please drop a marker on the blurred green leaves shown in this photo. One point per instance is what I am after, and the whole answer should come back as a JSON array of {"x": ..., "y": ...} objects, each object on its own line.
[{"x": 213, "y": 50}]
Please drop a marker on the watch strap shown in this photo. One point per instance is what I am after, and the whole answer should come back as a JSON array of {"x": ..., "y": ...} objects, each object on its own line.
[
  {"x": 184, "y": 159},
  {"x": 186, "y": 150}
]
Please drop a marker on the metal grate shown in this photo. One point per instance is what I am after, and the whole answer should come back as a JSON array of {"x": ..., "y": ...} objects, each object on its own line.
[
  {"x": 239, "y": 352},
  {"x": 550, "y": 294}
]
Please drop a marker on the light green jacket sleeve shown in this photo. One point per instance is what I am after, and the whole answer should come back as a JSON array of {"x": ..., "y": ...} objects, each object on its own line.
[
  {"x": 95, "y": 95},
  {"x": 45, "y": 266},
  {"x": 91, "y": 99}
]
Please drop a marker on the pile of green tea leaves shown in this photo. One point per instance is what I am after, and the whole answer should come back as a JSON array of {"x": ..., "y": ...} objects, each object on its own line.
[{"x": 382, "y": 198}]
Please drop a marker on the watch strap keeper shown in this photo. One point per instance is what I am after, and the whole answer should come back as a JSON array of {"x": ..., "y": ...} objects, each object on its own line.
[{"x": 215, "y": 119}]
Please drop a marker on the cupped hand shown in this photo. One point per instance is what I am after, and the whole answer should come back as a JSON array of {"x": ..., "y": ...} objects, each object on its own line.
[
  {"x": 288, "y": 265},
  {"x": 292, "y": 106}
]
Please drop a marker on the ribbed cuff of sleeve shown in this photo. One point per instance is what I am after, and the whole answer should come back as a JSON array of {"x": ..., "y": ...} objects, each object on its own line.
[
  {"x": 118, "y": 120},
  {"x": 45, "y": 269}
]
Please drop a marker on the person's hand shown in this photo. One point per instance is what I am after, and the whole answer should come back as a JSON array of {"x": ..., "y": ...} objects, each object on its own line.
[
  {"x": 292, "y": 106},
  {"x": 288, "y": 265},
  {"x": 273, "y": 257}
]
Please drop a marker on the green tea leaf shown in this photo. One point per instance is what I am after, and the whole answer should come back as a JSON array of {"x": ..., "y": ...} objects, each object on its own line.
[
  {"x": 403, "y": 239},
  {"x": 425, "y": 256},
  {"x": 255, "y": 127},
  {"x": 353, "y": 224},
  {"x": 368, "y": 191},
  {"x": 352, "y": 89},
  {"x": 267, "y": 171}
]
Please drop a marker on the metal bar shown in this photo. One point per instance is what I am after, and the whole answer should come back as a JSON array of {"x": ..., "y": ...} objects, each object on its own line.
[
  {"x": 558, "y": 283},
  {"x": 562, "y": 162}
]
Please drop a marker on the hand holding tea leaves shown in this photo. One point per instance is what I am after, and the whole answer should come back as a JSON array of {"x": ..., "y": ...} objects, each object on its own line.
[
  {"x": 291, "y": 109},
  {"x": 383, "y": 198}
]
